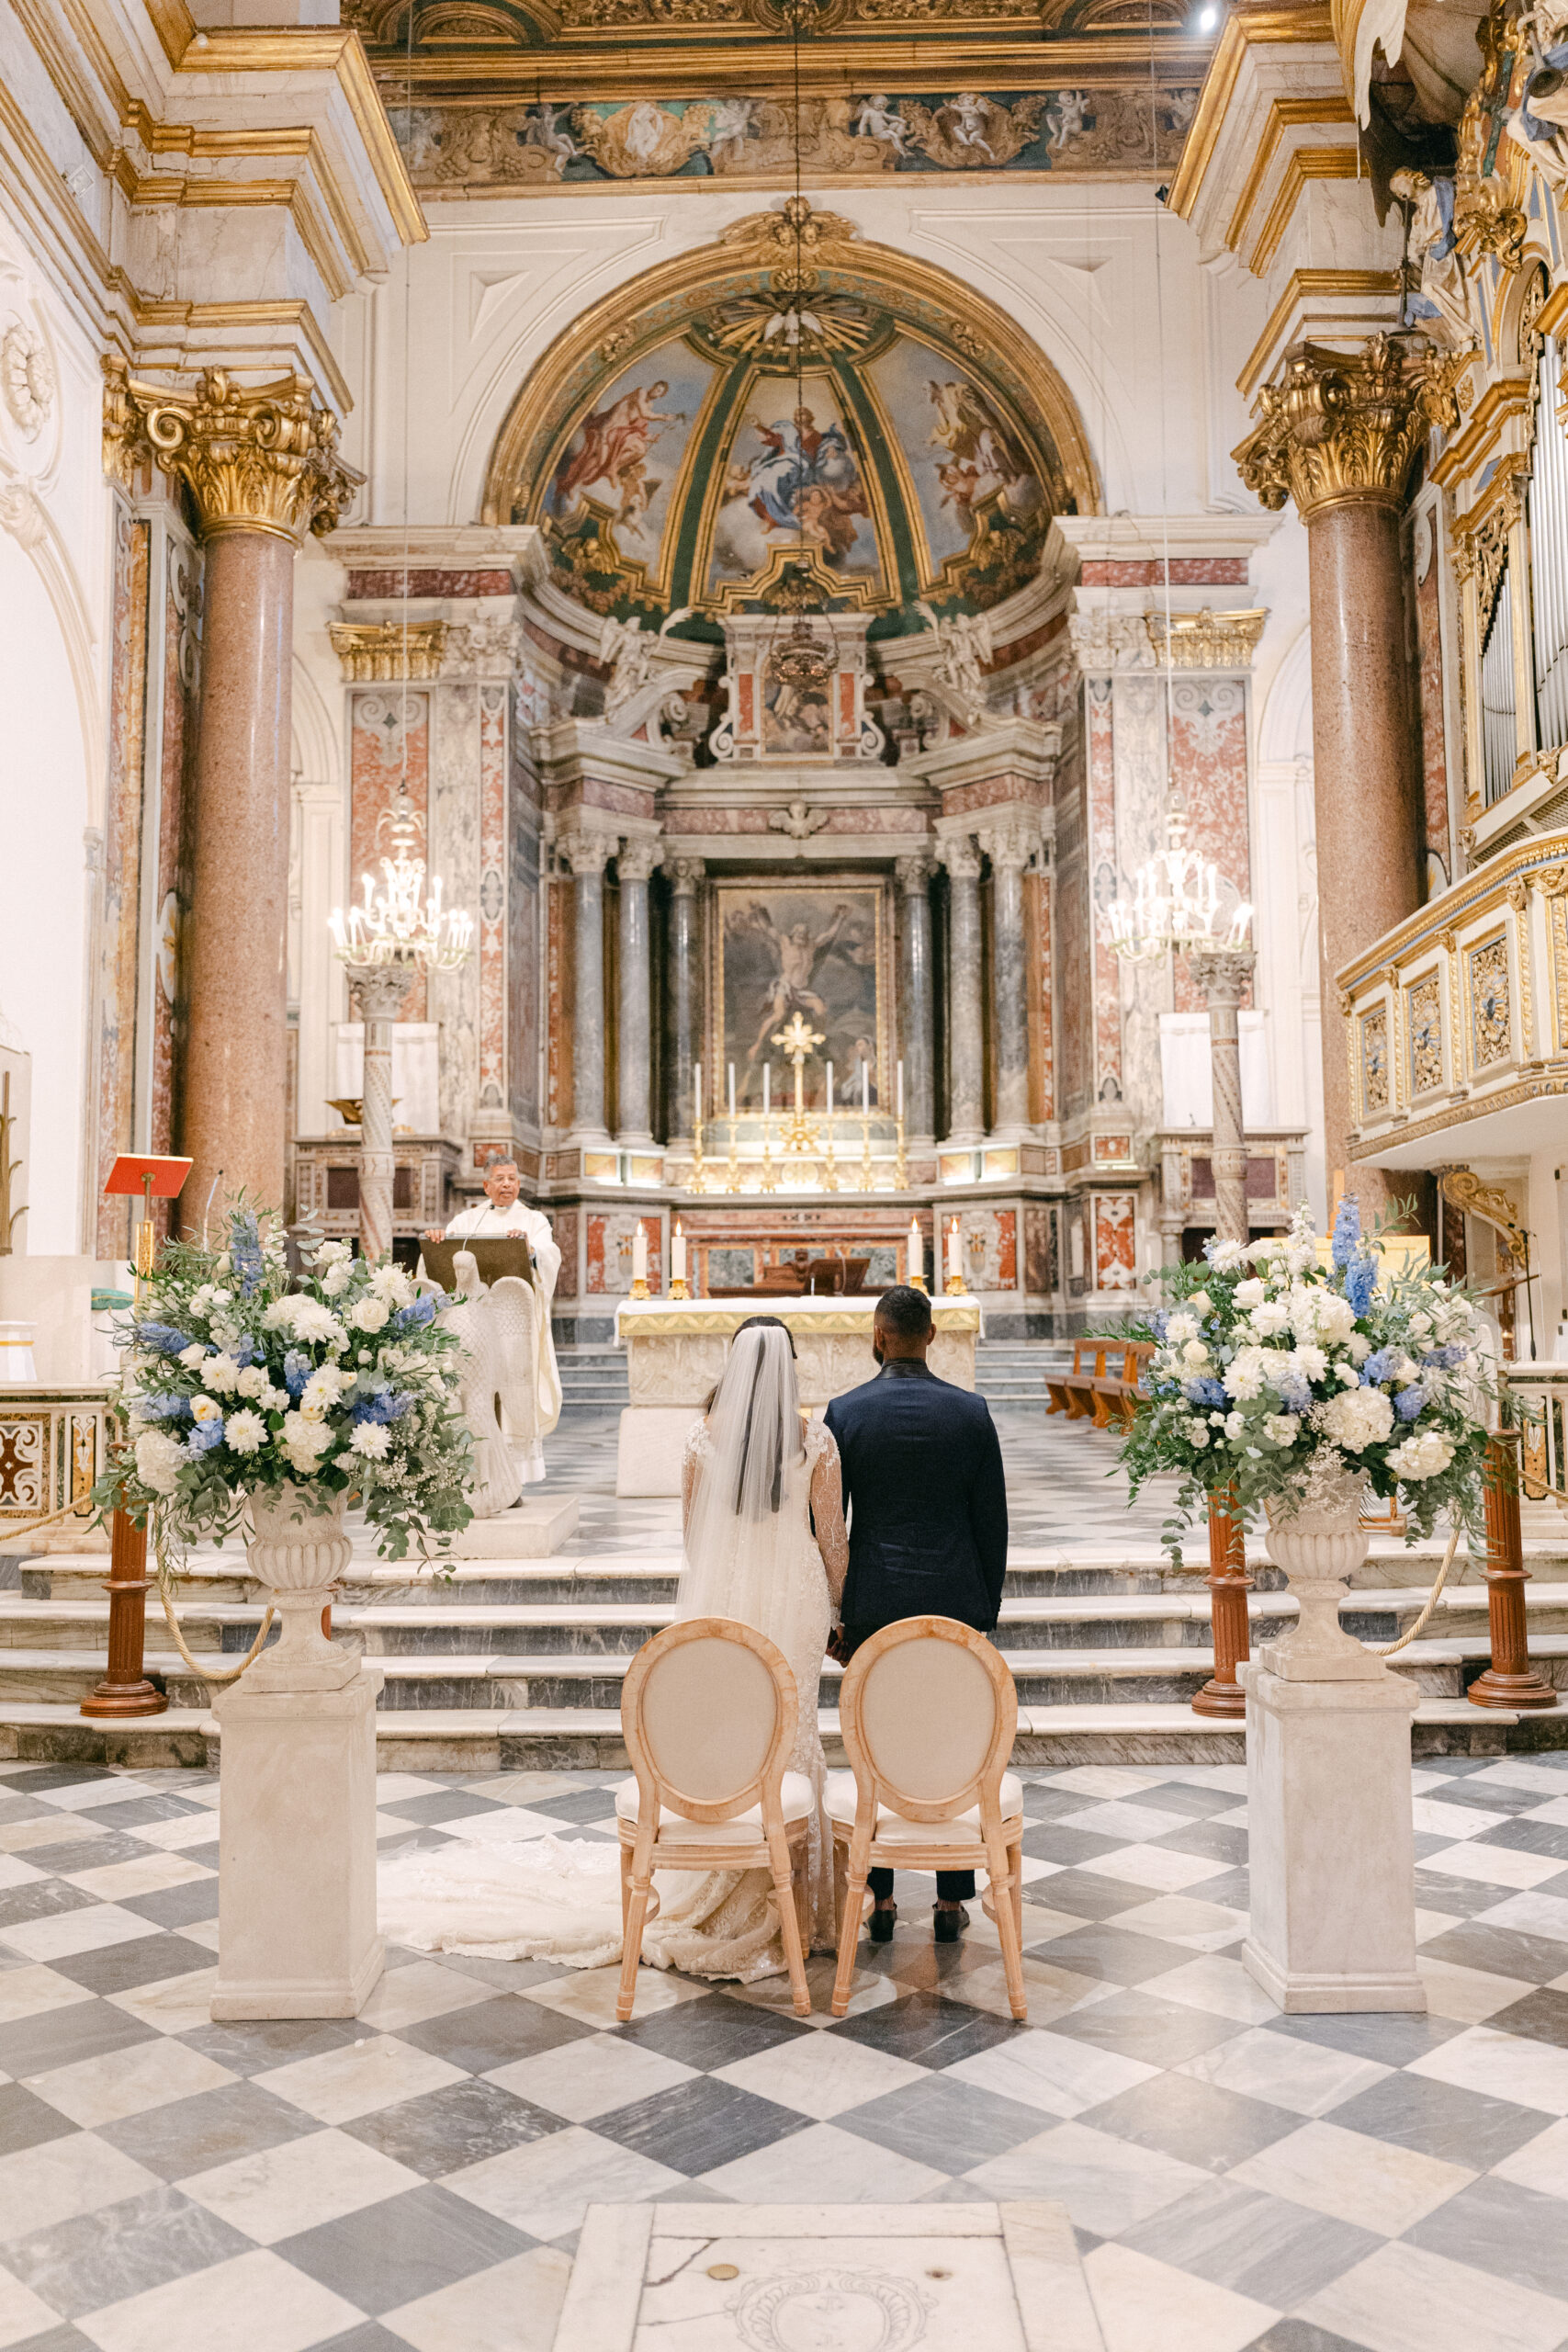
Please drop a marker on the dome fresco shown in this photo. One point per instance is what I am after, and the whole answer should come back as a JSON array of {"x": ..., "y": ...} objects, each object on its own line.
[{"x": 710, "y": 449}]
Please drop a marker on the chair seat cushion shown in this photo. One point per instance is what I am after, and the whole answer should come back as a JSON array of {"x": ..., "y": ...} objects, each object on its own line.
[
  {"x": 675, "y": 1829},
  {"x": 893, "y": 1830}
]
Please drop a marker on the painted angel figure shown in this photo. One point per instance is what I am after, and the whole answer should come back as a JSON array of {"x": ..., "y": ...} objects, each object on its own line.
[
  {"x": 964, "y": 120},
  {"x": 879, "y": 117}
]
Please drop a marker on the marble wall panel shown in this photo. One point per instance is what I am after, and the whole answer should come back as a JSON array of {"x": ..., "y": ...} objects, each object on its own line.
[
  {"x": 609, "y": 1255},
  {"x": 558, "y": 983},
  {"x": 456, "y": 852},
  {"x": 990, "y": 1248},
  {"x": 181, "y": 588},
  {"x": 1186, "y": 572},
  {"x": 491, "y": 910},
  {"x": 398, "y": 583},
  {"x": 1100, "y": 859},
  {"x": 1074, "y": 957},
  {"x": 523, "y": 913},
  {"x": 1209, "y": 769},
  {"x": 389, "y": 749},
  {"x": 1038, "y": 949},
  {"x": 1115, "y": 1241},
  {"x": 1139, "y": 703},
  {"x": 118, "y": 939},
  {"x": 563, "y": 1223},
  {"x": 1041, "y": 1270}
]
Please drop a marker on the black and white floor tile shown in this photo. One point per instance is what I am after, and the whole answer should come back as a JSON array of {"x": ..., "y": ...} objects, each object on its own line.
[{"x": 417, "y": 2177}]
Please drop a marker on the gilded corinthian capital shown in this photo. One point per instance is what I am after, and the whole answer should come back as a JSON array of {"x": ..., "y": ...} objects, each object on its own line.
[
  {"x": 260, "y": 458},
  {"x": 1345, "y": 425}
]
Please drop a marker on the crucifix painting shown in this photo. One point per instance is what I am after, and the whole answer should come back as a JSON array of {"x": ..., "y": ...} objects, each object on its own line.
[{"x": 812, "y": 950}]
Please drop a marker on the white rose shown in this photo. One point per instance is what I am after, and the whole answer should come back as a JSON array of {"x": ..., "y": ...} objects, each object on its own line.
[
  {"x": 245, "y": 1433},
  {"x": 1196, "y": 1433},
  {"x": 158, "y": 1461},
  {"x": 1250, "y": 1293},
  {"x": 369, "y": 1313},
  {"x": 1195, "y": 1353},
  {"x": 372, "y": 1439},
  {"x": 1233, "y": 1426},
  {"x": 206, "y": 1409},
  {"x": 1405, "y": 1371},
  {"x": 193, "y": 1357},
  {"x": 1200, "y": 1303},
  {"x": 1357, "y": 1419},
  {"x": 1346, "y": 1373},
  {"x": 1420, "y": 1324}
]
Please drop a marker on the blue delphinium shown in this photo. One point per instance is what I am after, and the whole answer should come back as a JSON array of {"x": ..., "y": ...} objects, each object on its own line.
[
  {"x": 1410, "y": 1402},
  {"x": 1205, "y": 1390},
  {"x": 205, "y": 1436},
  {"x": 409, "y": 1319},
  {"x": 1380, "y": 1365},
  {"x": 297, "y": 1371},
  {"x": 1444, "y": 1359},
  {"x": 245, "y": 1249},
  {"x": 1346, "y": 1230},
  {"x": 163, "y": 1409},
  {"x": 161, "y": 1335},
  {"x": 1361, "y": 1282},
  {"x": 384, "y": 1408}
]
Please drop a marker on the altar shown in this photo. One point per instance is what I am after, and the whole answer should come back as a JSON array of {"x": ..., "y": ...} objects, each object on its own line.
[{"x": 675, "y": 1352}]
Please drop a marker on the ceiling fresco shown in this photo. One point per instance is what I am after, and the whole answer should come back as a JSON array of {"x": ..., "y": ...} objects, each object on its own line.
[{"x": 852, "y": 432}]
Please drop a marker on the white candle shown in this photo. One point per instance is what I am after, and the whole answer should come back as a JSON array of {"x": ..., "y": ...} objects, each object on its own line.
[
  {"x": 639, "y": 1253},
  {"x": 678, "y": 1255},
  {"x": 697, "y": 1094},
  {"x": 829, "y": 1086},
  {"x": 916, "y": 1250},
  {"x": 900, "y": 1089},
  {"x": 732, "y": 1090},
  {"x": 767, "y": 1080},
  {"x": 954, "y": 1250},
  {"x": 866, "y": 1089}
]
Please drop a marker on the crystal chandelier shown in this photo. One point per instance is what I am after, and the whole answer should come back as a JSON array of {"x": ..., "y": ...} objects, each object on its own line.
[
  {"x": 1180, "y": 902},
  {"x": 396, "y": 922}
]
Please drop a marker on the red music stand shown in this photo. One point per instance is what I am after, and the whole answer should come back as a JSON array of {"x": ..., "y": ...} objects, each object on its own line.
[{"x": 156, "y": 1178}]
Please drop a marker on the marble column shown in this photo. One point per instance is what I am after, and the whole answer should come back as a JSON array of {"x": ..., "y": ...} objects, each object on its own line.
[
  {"x": 965, "y": 1043},
  {"x": 1009, "y": 846},
  {"x": 635, "y": 1011},
  {"x": 1339, "y": 435},
  {"x": 262, "y": 468},
  {"x": 686, "y": 1008},
  {"x": 1221, "y": 976},
  {"x": 379, "y": 992},
  {"x": 917, "y": 1033},
  {"x": 587, "y": 855}
]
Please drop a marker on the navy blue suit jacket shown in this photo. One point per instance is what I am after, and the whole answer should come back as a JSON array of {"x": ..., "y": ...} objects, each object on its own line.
[{"x": 925, "y": 1499}]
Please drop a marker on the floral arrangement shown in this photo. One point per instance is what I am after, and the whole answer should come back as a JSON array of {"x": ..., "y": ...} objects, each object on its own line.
[
  {"x": 1277, "y": 1380},
  {"x": 238, "y": 1378}
]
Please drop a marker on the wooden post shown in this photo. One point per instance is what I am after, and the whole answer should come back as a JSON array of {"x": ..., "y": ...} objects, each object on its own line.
[
  {"x": 1228, "y": 1582},
  {"x": 1510, "y": 1680},
  {"x": 124, "y": 1689}
]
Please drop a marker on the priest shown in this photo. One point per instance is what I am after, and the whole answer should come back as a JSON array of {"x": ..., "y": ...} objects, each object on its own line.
[{"x": 499, "y": 1217}]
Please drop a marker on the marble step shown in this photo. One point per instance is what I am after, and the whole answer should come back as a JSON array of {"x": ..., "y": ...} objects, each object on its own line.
[{"x": 583, "y": 1739}]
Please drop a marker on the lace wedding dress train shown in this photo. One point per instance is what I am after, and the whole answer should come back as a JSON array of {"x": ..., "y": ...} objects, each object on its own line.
[{"x": 559, "y": 1898}]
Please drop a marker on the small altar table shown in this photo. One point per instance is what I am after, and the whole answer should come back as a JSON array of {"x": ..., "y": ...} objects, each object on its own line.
[{"x": 675, "y": 1352}]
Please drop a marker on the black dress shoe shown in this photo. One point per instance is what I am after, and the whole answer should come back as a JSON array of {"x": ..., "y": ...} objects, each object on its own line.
[
  {"x": 881, "y": 1923},
  {"x": 948, "y": 1926}
]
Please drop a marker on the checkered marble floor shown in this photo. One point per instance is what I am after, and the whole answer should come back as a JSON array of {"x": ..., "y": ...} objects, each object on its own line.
[
  {"x": 1063, "y": 1485},
  {"x": 417, "y": 2177}
]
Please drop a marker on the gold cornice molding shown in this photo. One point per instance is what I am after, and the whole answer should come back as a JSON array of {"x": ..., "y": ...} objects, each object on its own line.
[
  {"x": 1482, "y": 892},
  {"x": 1314, "y": 286},
  {"x": 1245, "y": 29},
  {"x": 371, "y": 651},
  {"x": 758, "y": 242},
  {"x": 1306, "y": 163},
  {"x": 1284, "y": 114},
  {"x": 1467, "y": 452},
  {"x": 254, "y": 459},
  {"x": 1344, "y": 427}
]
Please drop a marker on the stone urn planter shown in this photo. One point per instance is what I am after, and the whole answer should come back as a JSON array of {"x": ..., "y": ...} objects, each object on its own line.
[
  {"x": 1320, "y": 1547},
  {"x": 297, "y": 1838}
]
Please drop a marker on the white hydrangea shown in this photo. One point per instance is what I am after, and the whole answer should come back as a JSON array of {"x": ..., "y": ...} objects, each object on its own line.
[
  {"x": 1426, "y": 1455},
  {"x": 221, "y": 1374},
  {"x": 332, "y": 1253},
  {"x": 373, "y": 1440},
  {"x": 273, "y": 1400},
  {"x": 245, "y": 1431},
  {"x": 369, "y": 1313},
  {"x": 306, "y": 1442},
  {"x": 158, "y": 1461},
  {"x": 1180, "y": 1327},
  {"x": 1321, "y": 1314},
  {"x": 336, "y": 1280},
  {"x": 1359, "y": 1347},
  {"x": 1357, "y": 1419},
  {"x": 1282, "y": 1429}
]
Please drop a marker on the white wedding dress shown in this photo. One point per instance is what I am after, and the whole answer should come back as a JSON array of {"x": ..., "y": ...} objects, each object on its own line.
[{"x": 559, "y": 1898}]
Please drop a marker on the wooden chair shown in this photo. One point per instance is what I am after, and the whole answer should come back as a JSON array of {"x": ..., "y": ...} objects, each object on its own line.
[
  {"x": 927, "y": 1710},
  {"x": 1073, "y": 1392},
  {"x": 708, "y": 1713}
]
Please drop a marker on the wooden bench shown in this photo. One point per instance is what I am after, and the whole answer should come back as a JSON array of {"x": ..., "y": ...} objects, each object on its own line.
[
  {"x": 1073, "y": 1392},
  {"x": 1116, "y": 1392}
]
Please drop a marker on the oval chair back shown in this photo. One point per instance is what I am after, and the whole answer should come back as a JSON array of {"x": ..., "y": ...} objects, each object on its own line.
[
  {"x": 928, "y": 1711},
  {"x": 709, "y": 1712}
]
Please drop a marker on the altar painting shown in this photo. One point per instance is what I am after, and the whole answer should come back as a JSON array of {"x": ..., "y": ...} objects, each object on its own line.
[
  {"x": 623, "y": 460},
  {"x": 819, "y": 949},
  {"x": 794, "y": 478}
]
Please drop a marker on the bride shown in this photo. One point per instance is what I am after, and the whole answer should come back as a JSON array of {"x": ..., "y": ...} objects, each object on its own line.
[{"x": 762, "y": 1515}]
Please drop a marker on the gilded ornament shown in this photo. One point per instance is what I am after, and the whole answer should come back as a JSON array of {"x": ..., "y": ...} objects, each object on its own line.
[
  {"x": 1490, "y": 1010},
  {"x": 1424, "y": 1022},
  {"x": 1207, "y": 640},
  {"x": 27, "y": 378},
  {"x": 1374, "y": 1061},
  {"x": 1480, "y": 537},
  {"x": 264, "y": 458},
  {"x": 368, "y": 650},
  {"x": 1346, "y": 425}
]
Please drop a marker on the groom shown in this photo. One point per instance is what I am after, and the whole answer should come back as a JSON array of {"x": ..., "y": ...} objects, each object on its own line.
[{"x": 927, "y": 1516}]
